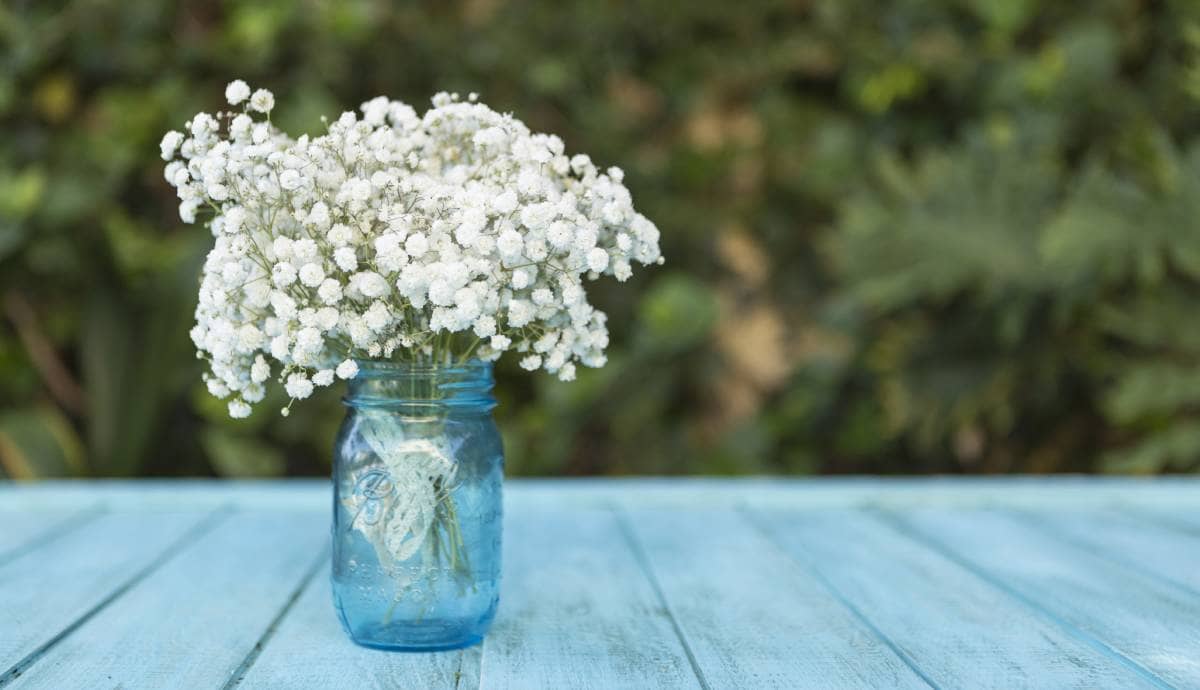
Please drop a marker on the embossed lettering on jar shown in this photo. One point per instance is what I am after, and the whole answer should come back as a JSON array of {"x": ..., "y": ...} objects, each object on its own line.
[{"x": 417, "y": 471}]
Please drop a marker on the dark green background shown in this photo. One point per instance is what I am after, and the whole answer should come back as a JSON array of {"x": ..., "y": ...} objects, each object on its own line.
[{"x": 906, "y": 236}]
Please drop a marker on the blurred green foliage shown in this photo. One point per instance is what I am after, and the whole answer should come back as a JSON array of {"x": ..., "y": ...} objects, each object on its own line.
[{"x": 914, "y": 236}]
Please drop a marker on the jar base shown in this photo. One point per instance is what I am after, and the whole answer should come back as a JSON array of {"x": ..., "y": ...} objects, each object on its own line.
[{"x": 426, "y": 636}]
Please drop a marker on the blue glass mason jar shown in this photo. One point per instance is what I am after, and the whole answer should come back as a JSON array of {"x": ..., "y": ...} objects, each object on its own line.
[{"x": 417, "y": 470}]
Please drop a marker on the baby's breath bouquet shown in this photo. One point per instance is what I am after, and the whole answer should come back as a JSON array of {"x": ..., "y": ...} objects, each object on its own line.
[{"x": 433, "y": 239}]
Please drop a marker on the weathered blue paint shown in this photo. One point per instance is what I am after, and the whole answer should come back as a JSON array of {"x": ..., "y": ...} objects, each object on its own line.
[{"x": 688, "y": 583}]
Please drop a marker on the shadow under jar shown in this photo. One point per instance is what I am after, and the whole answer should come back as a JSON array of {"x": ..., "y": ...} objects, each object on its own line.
[{"x": 418, "y": 465}]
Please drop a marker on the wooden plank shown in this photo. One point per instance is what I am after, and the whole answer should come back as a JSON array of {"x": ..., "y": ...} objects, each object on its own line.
[
  {"x": 1153, "y": 547},
  {"x": 1182, "y": 518},
  {"x": 959, "y": 630},
  {"x": 751, "y": 615},
  {"x": 22, "y": 532},
  {"x": 1168, "y": 493},
  {"x": 310, "y": 632},
  {"x": 191, "y": 623},
  {"x": 159, "y": 494},
  {"x": 44, "y": 592},
  {"x": 1142, "y": 623},
  {"x": 814, "y": 492},
  {"x": 576, "y": 610}
]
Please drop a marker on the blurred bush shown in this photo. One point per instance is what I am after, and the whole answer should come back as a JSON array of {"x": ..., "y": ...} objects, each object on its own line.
[{"x": 916, "y": 236}]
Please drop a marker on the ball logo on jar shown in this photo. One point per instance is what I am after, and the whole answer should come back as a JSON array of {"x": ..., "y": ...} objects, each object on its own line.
[{"x": 373, "y": 491}]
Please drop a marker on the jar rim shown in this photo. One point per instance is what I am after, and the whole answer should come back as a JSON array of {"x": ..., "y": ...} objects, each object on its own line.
[
  {"x": 380, "y": 368},
  {"x": 406, "y": 385}
]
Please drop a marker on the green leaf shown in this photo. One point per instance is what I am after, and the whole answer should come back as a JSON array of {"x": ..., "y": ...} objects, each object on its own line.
[
  {"x": 1177, "y": 447},
  {"x": 678, "y": 311},
  {"x": 39, "y": 442},
  {"x": 236, "y": 455},
  {"x": 1152, "y": 388}
]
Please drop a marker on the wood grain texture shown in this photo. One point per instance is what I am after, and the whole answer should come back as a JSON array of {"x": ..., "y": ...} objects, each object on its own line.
[
  {"x": 1164, "y": 493},
  {"x": 1154, "y": 548},
  {"x": 576, "y": 609},
  {"x": 958, "y": 629},
  {"x": 751, "y": 583},
  {"x": 310, "y": 632},
  {"x": 1185, "y": 518},
  {"x": 752, "y": 617},
  {"x": 23, "y": 532},
  {"x": 192, "y": 621},
  {"x": 46, "y": 591},
  {"x": 1141, "y": 622}
]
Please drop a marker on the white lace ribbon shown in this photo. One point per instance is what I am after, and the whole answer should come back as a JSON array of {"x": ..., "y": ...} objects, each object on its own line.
[{"x": 398, "y": 521}]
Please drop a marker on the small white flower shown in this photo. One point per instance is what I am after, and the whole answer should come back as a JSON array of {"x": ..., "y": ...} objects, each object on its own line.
[
  {"x": 283, "y": 274},
  {"x": 345, "y": 258},
  {"x": 319, "y": 215},
  {"x": 377, "y": 317},
  {"x": 237, "y": 91},
  {"x": 597, "y": 260},
  {"x": 235, "y": 218},
  {"x": 282, "y": 246},
  {"x": 260, "y": 132},
  {"x": 330, "y": 291},
  {"x": 622, "y": 270},
  {"x": 311, "y": 274},
  {"x": 370, "y": 284},
  {"x": 187, "y": 210},
  {"x": 485, "y": 327},
  {"x": 416, "y": 245},
  {"x": 509, "y": 243},
  {"x": 240, "y": 127},
  {"x": 327, "y": 318},
  {"x": 248, "y": 338},
  {"x": 560, "y": 235},
  {"x": 170, "y": 142},
  {"x": 339, "y": 235},
  {"x": 520, "y": 279},
  {"x": 180, "y": 176},
  {"x": 531, "y": 362},
  {"x": 260, "y": 371},
  {"x": 520, "y": 313},
  {"x": 289, "y": 179},
  {"x": 323, "y": 377},
  {"x": 217, "y": 388},
  {"x": 566, "y": 372},
  {"x": 262, "y": 101},
  {"x": 298, "y": 386},
  {"x": 304, "y": 250},
  {"x": 348, "y": 369},
  {"x": 387, "y": 244},
  {"x": 238, "y": 409},
  {"x": 505, "y": 202}
]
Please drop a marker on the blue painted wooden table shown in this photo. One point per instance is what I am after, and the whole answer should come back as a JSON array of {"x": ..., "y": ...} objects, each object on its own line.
[{"x": 625, "y": 583}]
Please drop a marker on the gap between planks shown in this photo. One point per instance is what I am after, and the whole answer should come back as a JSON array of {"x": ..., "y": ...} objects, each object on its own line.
[
  {"x": 891, "y": 520},
  {"x": 753, "y": 520},
  {"x": 205, "y": 524},
  {"x": 1153, "y": 517},
  {"x": 1049, "y": 529},
  {"x": 243, "y": 668},
  {"x": 639, "y": 555},
  {"x": 48, "y": 536}
]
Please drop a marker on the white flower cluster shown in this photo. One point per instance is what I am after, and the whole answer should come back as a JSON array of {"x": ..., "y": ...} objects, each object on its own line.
[{"x": 431, "y": 238}]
